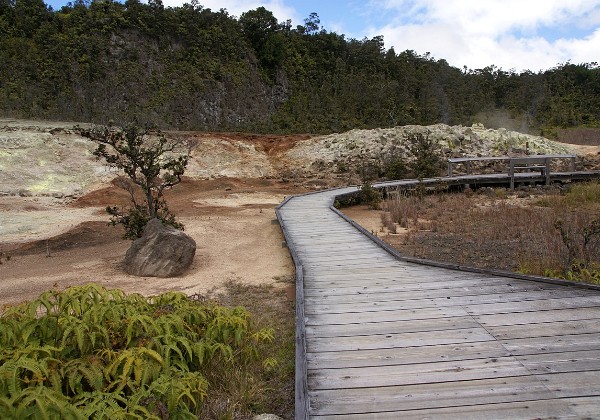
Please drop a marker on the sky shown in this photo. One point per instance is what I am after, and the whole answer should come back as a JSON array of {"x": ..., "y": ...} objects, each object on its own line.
[{"x": 510, "y": 34}]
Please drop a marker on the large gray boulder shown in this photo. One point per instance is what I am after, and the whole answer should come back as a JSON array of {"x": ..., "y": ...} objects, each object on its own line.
[{"x": 162, "y": 251}]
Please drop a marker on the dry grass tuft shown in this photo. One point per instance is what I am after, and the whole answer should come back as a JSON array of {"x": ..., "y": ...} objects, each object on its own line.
[{"x": 257, "y": 387}]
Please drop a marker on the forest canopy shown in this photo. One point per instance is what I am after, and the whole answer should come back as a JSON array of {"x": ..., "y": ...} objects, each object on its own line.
[{"x": 190, "y": 67}]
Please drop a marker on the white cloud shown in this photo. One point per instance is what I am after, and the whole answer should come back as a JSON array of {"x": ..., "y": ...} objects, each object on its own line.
[{"x": 501, "y": 32}]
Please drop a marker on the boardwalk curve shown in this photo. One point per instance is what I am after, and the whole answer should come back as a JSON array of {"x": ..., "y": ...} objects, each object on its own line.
[{"x": 380, "y": 337}]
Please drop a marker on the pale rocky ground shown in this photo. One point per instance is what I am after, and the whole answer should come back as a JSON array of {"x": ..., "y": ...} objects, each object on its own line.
[{"x": 50, "y": 183}]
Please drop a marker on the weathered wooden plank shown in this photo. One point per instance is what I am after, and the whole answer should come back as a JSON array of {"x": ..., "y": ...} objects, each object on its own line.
[
  {"x": 522, "y": 299},
  {"x": 389, "y": 264},
  {"x": 395, "y": 283},
  {"x": 573, "y": 384},
  {"x": 571, "y": 361},
  {"x": 385, "y": 316},
  {"x": 585, "y": 407},
  {"x": 396, "y": 327},
  {"x": 428, "y": 396},
  {"x": 338, "y": 264},
  {"x": 550, "y": 409},
  {"x": 545, "y": 329},
  {"x": 330, "y": 250},
  {"x": 423, "y": 373},
  {"x": 540, "y": 316},
  {"x": 318, "y": 255},
  {"x": 381, "y": 296},
  {"x": 391, "y": 340},
  {"x": 433, "y": 279},
  {"x": 552, "y": 344},
  {"x": 581, "y": 301},
  {"x": 406, "y": 355}
]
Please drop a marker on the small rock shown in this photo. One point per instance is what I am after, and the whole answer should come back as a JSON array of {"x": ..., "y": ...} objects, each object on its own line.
[{"x": 266, "y": 417}]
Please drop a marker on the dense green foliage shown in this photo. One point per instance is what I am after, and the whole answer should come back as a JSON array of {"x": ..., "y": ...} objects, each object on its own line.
[
  {"x": 427, "y": 159},
  {"x": 192, "y": 68},
  {"x": 89, "y": 352},
  {"x": 152, "y": 164}
]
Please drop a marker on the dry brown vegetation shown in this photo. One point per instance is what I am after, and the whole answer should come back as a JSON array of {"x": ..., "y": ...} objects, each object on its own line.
[
  {"x": 551, "y": 232},
  {"x": 583, "y": 136}
]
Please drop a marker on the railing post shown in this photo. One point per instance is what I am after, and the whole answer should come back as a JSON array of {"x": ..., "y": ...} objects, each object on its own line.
[
  {"x": 511, "y": 173},
  {"x": 547, "y": 170}
]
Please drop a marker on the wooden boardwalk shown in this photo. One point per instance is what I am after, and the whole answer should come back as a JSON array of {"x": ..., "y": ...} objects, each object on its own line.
[{"x": 383, "y": 338}]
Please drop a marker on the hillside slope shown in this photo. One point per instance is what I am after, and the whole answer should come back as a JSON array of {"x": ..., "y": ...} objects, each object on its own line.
[{"x": 51, "y": 159}]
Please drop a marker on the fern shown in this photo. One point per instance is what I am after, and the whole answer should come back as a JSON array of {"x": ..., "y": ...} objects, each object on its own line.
[
  {"x": 9, "y": 332},
  {"x": 75, "y": 371},
  {"x": 170, "y": 324},
  {"x": 18, "y": 374},
  {"x": 111, "y": 406},
  {"x": 7, "y": 411},
  {"x": 44, "y": 403},
  {"x": 174, "y": 349},
  {"x": 121, "y": 370},
  {"x": 169, "y": 298},
  {"x": 178, "y": 390},
  {"x": 84, "y": 336},
  {"x": 88, "y": 352},
  {"x": 140, "y": 325}
]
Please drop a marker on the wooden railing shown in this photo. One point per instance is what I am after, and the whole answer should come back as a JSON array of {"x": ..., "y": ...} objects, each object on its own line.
[{"x": 541, "y": 163}]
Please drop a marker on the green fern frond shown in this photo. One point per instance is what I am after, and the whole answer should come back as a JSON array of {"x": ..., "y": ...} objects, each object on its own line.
[
  {"x": 264, "y": 335},
  {"x": 168, "y": 324},
  {"x": 169, "y": 298},
  {"x": 44, "y": 403},
  {"x": 140, "y": 325},
  {"x": 7, "y": 410},
  {"x": 36, "y": 352},
  {"x": 9, "y": 332},
  {"x": 75, "y": 371},
  {"x": 121, "y": 368},
  {"x": 103, "y": 405},
  {"x": 18, "y": 374},
  {"x": 180, "y": 390}
]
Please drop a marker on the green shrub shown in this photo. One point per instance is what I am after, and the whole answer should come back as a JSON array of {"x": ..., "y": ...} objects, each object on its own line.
[
  {"x": 583, "y": 193},
  {"x": 396, "y": 169},
  {"x": 427, "y": 156},
  {"x": 91, "y": 352},
  {"x": 577, "y": 272},
  {"x": 371, "y": 196}
]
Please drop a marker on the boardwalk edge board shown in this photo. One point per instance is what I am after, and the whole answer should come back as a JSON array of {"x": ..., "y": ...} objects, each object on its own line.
[{"x": 301, "y": 371}]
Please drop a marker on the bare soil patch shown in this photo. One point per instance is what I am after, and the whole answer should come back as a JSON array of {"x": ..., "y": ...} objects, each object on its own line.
[{"x": 230, "y": 219}]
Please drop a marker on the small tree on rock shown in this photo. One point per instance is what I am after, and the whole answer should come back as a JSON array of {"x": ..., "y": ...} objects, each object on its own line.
[{"x": 152, "y": 164}]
